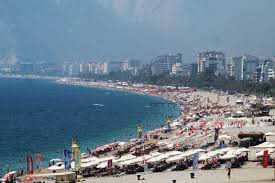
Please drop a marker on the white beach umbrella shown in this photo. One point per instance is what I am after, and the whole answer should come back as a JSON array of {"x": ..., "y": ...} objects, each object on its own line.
[
  {"x": 224, "y": 150},
  {"x": 175, "y": 158},
  {"x": 55, "y": 167},
  {"x": 136, "y": 160},
  {"x": 173, "y": 153},
  {"x": 86, "y": 160},
  {"x": 102, "y": 165},
  {"x": 158, "y": 158},
  {"x": 154, "y": 154},
  {"x": 224, "y": 137},
  {"x": 99, "y": 160},
  {"x": 213, "y": 153},
  {"x": 56, "y": 160},
  {"x": 242, "y": 149},
  {"x": 199, "y": 150},
  {"x": 228, "y": 156},
  {"x": 265, "y": 145},
  {"x": 270, "y": 134},
  {"x": 125, "y": 158},
  {"x": 204, "y": 157},
  {"x": 188, "y": 153},
  {"x": 261, "y": 153}
]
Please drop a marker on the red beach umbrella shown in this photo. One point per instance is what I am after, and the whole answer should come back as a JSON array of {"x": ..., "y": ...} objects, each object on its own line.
[{"x": 28, "y": 179}]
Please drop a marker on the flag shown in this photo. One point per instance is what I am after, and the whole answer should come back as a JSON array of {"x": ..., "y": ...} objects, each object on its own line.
[
  {"x": 76, "y": 154},
  {"x": 29, "y": 164},
  {"x": 195, "y": 161},
  {"x": 38, "y": 158},
  {"x": 265, "y": 159},
  {"x": 67, "y": 159},
  {"x": 109, "y": 167},
  {"x": 77, "y": 159}
]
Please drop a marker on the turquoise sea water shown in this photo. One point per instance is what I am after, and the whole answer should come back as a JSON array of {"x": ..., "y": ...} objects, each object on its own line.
[{"x": 39, "y": 116}]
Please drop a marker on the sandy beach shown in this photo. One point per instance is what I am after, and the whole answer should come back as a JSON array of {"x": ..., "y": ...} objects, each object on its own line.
[{"x": 248, "y": 174}]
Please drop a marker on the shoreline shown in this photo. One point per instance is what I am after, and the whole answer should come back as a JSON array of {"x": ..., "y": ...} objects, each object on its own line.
[{"x": 55, "y": 80}]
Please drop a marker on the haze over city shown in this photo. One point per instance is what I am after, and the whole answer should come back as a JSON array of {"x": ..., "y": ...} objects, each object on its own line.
[{"x": 62, "y": 30}]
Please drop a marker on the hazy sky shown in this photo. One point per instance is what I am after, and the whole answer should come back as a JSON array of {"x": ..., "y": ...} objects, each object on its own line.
[{"x": 60, "y": 30}]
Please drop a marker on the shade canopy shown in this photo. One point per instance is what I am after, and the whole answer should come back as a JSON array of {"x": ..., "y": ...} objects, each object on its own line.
[
  {"x": 125, "y": 158},
  {"x": 228, "y": 156},
  {"x": 158, "y": 158},
  {"x": 224, "y": 137},
  {"x": 175, "y": 158},
  {"x": 269, "y": 134},
  {"x": 261, "y": 153},
  {"x": 265, "y": 145}
]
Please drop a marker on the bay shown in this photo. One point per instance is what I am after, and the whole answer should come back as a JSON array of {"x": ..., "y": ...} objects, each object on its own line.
[{"x": 40, "y": 116}]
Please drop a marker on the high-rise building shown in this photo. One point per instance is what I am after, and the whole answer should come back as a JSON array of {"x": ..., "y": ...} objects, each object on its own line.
[
  {"x": 84, "y": 68},
  {"x": 249, "y": 66},
  {"x": 244, "y": 67},
  {"x": 267, "y": 70},
  {"x": 212, "y": 61},
  {"x": 236, "y": 68},
  {"x": 177, "y": 69},
  {"x": 193, "y": 69},
  {"x": 71, "y": 69},
  {"x": 112, "y": 67},
  {"x": 163, "y": 64}
]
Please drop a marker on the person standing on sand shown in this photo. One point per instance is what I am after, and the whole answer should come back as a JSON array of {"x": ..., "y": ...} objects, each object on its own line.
[{"x": 228, "y": 166}]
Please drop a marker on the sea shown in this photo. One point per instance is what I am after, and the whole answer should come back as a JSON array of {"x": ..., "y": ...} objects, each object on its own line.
[{"x": 42, "y": 116}]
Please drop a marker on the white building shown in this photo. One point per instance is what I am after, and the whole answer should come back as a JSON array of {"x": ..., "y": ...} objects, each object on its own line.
[
  {"x": 177, "y": 69},
  {"x": 249, "y": 66},
  {"x": 163, "y": 64},
  {"x": 213, "y": 61},
  {"x": 244, "y": 67},
  {"x": 236, "y": 68},
  {"x": 267, "y": 70},
  {"x": 112, "y": 67}
]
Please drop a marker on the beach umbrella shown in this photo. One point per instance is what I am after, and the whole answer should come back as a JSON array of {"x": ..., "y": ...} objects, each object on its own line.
[
  {"x": 136, "y": 160},
  {"x": 188, "y": 153},
  {"x": 91, "y": 163},
  {"x": 28, "y": 179},
  {"x": 99, "y": 160},
  {"x": 86, "y": 160},
  {"x": 265, "y": 145},
  {"x": 102, "y": 165},
  {"x": 56, "y": 160},
  {"x": 214, "y": 153},
  {"x": 125, "y": 158},
  {"x": 270, "y": 134},
  {"x": 7, "y": 176},
  {"x": 228, "y": 156},
  {"x": 154, "y": 154},
  {"x": 158, "y": 158},
  {"x": 175, "y": 158},
  {"x": 56, "y": 167},
  {"x": 243, "y": 149},
  {"x": 261, "y": 153},
  {"x": 224, "y": 150},
  {"x": 204, "y": 157},
  {"x": 224, "y": 137},
  {"x": 173, "y": 153},
  {"x": 199, "y": 150}
]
